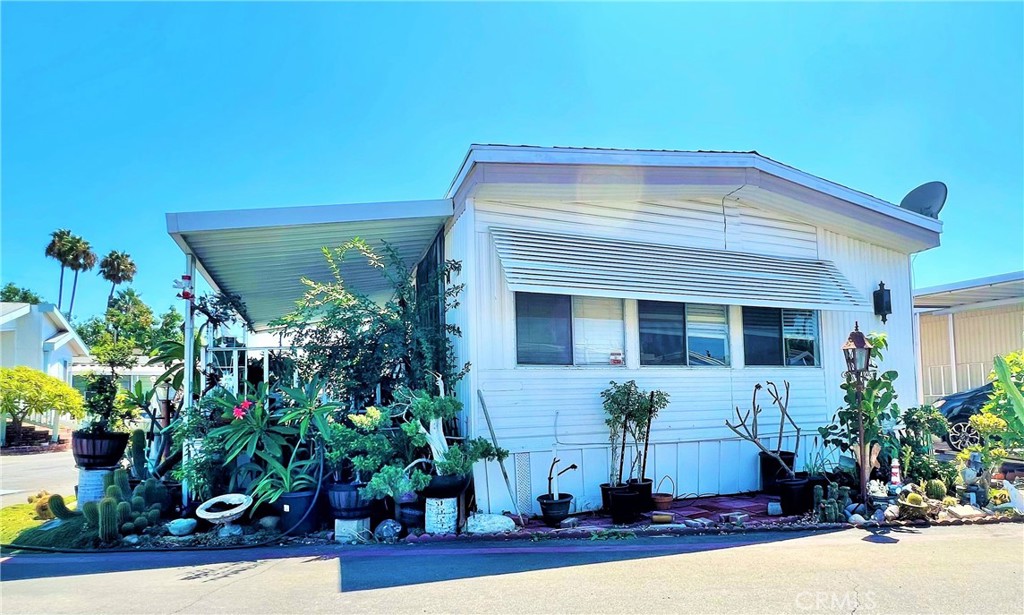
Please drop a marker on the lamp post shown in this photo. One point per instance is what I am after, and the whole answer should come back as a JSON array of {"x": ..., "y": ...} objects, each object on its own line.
[{"x": 857, "y": 351}]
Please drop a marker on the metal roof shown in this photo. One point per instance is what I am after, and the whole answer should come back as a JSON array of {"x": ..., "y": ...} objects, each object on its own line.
[
  {"x": 1007, "y": 287},
  {"x": 262, "y": 254}
]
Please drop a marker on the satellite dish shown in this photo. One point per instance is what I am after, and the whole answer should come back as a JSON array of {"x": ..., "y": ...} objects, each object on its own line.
[{"x": 926, "y": 199}]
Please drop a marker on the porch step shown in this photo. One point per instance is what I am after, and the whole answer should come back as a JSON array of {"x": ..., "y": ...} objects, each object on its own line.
[{"x": 29, "y": 435}]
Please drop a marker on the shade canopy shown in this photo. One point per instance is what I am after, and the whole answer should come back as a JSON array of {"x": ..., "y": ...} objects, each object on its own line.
[
  {"x": 261, "y": 255},
  {"x": 1007, "y": 287},
  {"x": 584, "y": 265}
]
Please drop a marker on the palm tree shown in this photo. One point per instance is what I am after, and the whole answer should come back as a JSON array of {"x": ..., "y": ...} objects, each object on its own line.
[
  {"x": 117, "y": 268},
  {"x": 59, "y": 249},
  {"x": 82, "y": 259}
]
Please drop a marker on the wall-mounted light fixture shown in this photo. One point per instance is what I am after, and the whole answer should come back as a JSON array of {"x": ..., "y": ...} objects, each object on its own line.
[{"x": 883, "y": 301}]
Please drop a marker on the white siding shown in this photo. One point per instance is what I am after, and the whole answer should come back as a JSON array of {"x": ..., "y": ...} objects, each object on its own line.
[{"x": 690, "y": 441}]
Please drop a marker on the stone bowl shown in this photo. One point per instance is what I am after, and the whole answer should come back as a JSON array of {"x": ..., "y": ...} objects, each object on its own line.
[{"x": 239, "y": 503}]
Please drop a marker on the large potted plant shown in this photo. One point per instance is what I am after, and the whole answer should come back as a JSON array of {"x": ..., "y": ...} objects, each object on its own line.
[
  {"x": 640, "y": 428},
  {"x": 101, "y": 440},
  {"x": 555, "y": 504},
  {"x": 619, "y": 402},
  {"x": 354, "y": 451},
  {"x": 25, "y": 391}
]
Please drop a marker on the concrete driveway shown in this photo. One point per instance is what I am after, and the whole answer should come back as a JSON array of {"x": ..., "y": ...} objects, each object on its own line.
[
  {"x": 966, "y": 569},
  {"x": 24, "y": 474}
]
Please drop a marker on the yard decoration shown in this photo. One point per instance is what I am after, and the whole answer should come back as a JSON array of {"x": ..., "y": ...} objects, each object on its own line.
[
  {"x": 554, "y": 505},
  {"x": 792, "y": 488}
]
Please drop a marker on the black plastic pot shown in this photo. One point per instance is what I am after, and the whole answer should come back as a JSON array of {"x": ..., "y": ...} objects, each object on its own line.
[
  {"x": 411, "y": 514},
  {"x": 345, "y": 501},
  {"x": 606, "y": 491},
  {"x": 624, "y": 506},
  {"x": 292, "y": 506},
  {"x": 554, "y": 510},
  {"x": 771, "y": 471},
  {"x": 98, "y": 450},
  {"x": 812, "y": 480},
  {"x": 442, "y": 487},
  {"x": 793, "y": 495},
  {"x": 642, "y": 488}
]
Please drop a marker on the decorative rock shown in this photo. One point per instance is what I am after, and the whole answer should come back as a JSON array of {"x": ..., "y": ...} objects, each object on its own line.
[
  {"x": 961, "y": 511},
  {"x": 774, "y": 509},
  {"x": 879, "y": 516},
  {"x": 130, "y": 540},
  {"x": 564, "y": 523},
  {"x": 181, "y": 527},
  {"x": 855, "y": 509},
  {"x": 892, "y": 512},
  {"x": 227, "y": 530},
  {"x": 351, "y": 530},
  {"x": 701, "y": 522},
  {"x": 499, "y": 524},
  {"x": 388, "y": 531},
  {"x": 857, "y": 519},
  {"x": 269, "y": 522},
  {"x": 733, "y": 517}
]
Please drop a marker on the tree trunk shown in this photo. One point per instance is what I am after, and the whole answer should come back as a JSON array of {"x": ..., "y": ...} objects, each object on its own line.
[
  {"x": 60, "y": 292},
  {"x": 74, "y": 288},
  {"x": 110, "y": 297}
]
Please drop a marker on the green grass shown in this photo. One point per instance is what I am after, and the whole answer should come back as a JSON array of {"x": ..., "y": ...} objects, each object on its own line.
[{"x": 19, "y": 525}]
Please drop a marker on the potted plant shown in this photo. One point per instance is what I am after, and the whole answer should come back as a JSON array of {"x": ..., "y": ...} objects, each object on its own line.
[
  {"x": 554, "y": 505},
  {"x": 355, "y": 450},
  {"x": 641, "y": 430},
  {"x": 102, "y": 439},
  {"x": 619, "y": 402},
  {"x": 792, "y": 489}
]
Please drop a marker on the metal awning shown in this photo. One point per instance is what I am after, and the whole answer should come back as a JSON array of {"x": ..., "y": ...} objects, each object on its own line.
[
  {"x": 997, "y": 289},
  {"x": 584, "y": 265},
  {"x": 262, "y": 254}
]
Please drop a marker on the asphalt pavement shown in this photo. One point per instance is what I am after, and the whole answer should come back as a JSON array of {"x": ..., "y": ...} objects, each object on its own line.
[
  {"x": 967, "y": 569},
  {"x": 24, "y": 474}
]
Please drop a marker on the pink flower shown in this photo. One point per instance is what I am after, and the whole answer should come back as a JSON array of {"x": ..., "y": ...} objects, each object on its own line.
[
  {"x": 246, "y": 405},
  {"x": 239, "y": 412}
]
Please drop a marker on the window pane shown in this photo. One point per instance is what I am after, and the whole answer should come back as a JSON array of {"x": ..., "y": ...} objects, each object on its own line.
[
  {"x": 707, "y": 330},
  {"x": 598, "y": 331},
  {"x": 800, "y": 330},
  {"x": 543, "y": 329},
  {"x": 662, "y": 333},
  {"x": 762, "y": 336}
]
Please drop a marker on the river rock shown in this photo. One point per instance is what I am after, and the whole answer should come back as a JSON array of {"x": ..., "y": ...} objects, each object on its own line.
[
  {"x": 569, "y": 522},
  {"x": 892, "y": 512},
  {"x": 855, "y": 509},
  {"x": 856, "y": 519},
  {"x": 227, "y": 530},
  {"x": 388, "y": 531},
  {"x": 130, "y": 540},
  {"x": 181, "y": 527},
  {"x": 879, "y": 515},
  {"x": 270, "y": 522},
  {"x": 489, "y": 524}
]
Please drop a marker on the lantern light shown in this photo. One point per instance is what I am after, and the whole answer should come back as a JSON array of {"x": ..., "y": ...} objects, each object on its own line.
[
  {"x": 883, "y": 301},
  {"x": 857, "y": 351}
]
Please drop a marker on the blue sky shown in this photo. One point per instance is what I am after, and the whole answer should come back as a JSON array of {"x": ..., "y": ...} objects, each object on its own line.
[{"x": 113, "y": 114}]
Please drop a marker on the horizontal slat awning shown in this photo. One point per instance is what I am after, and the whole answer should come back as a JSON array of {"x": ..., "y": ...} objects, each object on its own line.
[{"x": 578, "y": 265}]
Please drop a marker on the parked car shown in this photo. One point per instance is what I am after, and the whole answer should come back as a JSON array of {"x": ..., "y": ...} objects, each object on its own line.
[{"x": 958, "y": 408}]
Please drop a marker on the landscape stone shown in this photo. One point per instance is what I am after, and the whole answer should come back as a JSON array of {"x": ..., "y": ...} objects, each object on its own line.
[
  {"x": 568, "y": 522},
  {"x": 733, "y": 517},
  {"x": 892, "y": 512},
  {"x": 388, "y": 531},
  {"x": 774, "y": 509},
  {"x": 498, "y": 524},
  {"x": 962, "y": 511},
  {"x": 227, "y": 530},
  {"x": 856, "y": 519},
  {"x": 182, "y": 527},
  {"x": 130, "y": 540},
  {"x": 269, "y": 522},
  {"x": 879, "y": 516}
]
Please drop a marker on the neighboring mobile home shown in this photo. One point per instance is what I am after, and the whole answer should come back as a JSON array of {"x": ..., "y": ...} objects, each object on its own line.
[
  {"x": 964, "y": 325},
  {"x": 699, "y": 273}
]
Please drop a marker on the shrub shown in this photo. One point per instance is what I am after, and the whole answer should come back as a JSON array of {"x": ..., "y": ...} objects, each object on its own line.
[
  {"x": 1004, "y": 402},
  {"x": 25, "y": 391}
]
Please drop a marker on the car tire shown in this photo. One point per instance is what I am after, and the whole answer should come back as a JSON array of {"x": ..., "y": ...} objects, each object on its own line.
[{"x": 961, "y": 435}]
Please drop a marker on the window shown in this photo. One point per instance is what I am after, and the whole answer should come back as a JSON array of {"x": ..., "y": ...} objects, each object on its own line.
[
  {"x": 773, "y": 336},
  {"x": 543, "y": 329},
  {"x": 563, "y": 330},
  {"x": 683, "y": 334},
  {"x": 598, "y": 331}
]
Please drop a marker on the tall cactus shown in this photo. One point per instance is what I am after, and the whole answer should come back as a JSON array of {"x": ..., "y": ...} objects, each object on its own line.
[
  {"x": 92, "y": 514},
  {"x": 113, "y": 492},
  {"x": 60, "y": 509},
  {"x": 108, "y": 524},
  {"x": 138, "y": 453},
  {"x": 124, "y": 512},
  {"x": 121, "y": 480},
  {"x": 108, "y": 480}
]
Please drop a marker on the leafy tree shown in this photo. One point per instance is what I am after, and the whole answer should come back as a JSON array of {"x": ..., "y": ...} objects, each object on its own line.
[
  {"x": 14, "y": 294},
  {"x": 60, "y": 249},
  {"x": 168, "y": 327},
  {"x": 130, "y": 318},
  {"x": 91, "y": 330},
  {"x": 25, "y": 391},
  {"x": 117, "y": 268},
  {"x": 82, "y": 258}
]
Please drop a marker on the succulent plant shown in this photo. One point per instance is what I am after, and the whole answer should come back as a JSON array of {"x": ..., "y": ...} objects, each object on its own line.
[
  {"x": 91, "y": 511},
  {"x": 124, "y": 512},
  {"x": 60, "y": 509},
  {"x": 935, "y": 489},
  {"x": 109, "y": 528},
  {"x": 915, "y": 499}
]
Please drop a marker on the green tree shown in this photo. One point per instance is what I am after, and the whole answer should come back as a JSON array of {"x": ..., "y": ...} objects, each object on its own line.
[
  {"x": 14, "y": 294},
  {"x": 82, "y": 258},
  {"x": 25, "y": 391},
  {"x": 117, "y": 268},
  {"x": 59, "y": 249},
  {"x": 168, "y": 327},
  {"x": 91, "y": 330}
]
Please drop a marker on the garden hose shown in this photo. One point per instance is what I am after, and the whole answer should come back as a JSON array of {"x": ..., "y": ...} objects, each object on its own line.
[{"x": 264, "y": 543}]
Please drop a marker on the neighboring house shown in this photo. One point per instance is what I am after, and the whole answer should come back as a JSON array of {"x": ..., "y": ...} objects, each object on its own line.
[
  {"x": 127, "y": 378},
  {"x": 699, "y": 273},
  {"x": 38, "y": 336},
  {"x": 963, "y": 326}
]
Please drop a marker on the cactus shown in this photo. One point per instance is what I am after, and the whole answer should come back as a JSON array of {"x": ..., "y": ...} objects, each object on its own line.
[
  {"x": 60, "y": 509},
  {"x": 831, "y": 511},
  {"x": 935, "y": 489},
  {"x": 949, "y": 501},
  {"x": 153, "y": 516},
  {"x": 819, "y": 495},
  {"x": 139, "y": 491},
  {"x": 121, "y": 480},
  {"x": 844, "y": 497},
  {"x": 833, "y": 491},
  {"x": 109, "y": 528},
  {"x": 138, "y": 454},
  {"x": 915, "y": 499},
  {"x": 163, "y": 496},
  {"x": 149, "y": 490},
  {"x": 128, "y": 528},
  {"x": 141, "y": 522},
  {"x": 108, "y": 480},
  {"x": 138, "y": 505},
  {"x": 92, "y": 514},
  {"x": 124, "y": 512},
  {"x": 113, "y": 492},
  {"x": 42, "y": 507}
]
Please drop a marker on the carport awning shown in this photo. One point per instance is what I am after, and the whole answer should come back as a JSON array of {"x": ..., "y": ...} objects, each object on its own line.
[
  {"x": 582, "y": 265},
  {"x": 1006, "y": 288},
  {"x": 261, "y": 255}
]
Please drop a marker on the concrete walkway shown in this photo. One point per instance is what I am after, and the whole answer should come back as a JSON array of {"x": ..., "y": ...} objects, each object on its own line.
[
  {"x": 932, "y": 570},
  {"x": 24, "y": 474}
]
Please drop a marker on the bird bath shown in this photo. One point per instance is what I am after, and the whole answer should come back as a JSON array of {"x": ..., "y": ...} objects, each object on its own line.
[{"x": 223, "y": 510}]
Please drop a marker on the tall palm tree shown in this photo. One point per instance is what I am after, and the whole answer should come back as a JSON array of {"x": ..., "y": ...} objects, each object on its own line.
[
  {"x": 117, "y": 268},
  {"x": 59, "y": 249},
  {"x": 82, "y": 259}
]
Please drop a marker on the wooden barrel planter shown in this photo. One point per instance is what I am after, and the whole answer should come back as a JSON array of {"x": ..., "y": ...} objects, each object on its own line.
[
  {"x": 346, "y": 502},
  {"x": 98, "y": 450}
]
